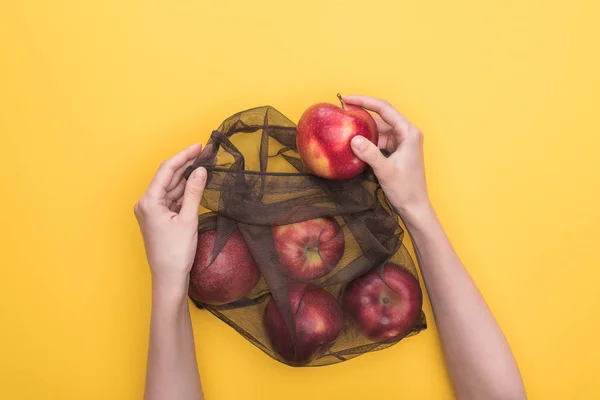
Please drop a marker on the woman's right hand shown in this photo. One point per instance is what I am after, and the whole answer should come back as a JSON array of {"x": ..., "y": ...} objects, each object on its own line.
[
  {"x": 480, "y": 366},
  {"x": 402, "y": 174}
]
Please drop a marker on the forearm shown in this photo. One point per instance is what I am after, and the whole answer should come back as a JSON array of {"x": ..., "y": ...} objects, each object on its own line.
[
  {"x": 479, "y": 359},
  {"x": 172, "y": 372}
]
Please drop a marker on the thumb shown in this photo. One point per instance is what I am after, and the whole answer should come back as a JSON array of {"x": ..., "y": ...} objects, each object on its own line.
[
  {"x": 194, "y": 188},
  {"x": 366, "y": 151}
]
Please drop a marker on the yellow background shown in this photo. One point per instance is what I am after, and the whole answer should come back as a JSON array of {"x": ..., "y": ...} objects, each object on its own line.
[{"x": 94, "y": 94}]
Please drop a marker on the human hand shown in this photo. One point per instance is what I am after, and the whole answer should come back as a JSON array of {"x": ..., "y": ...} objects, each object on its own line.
[
  {"x": 402, "y": 174},
  {"x": 168, "y": 217}
]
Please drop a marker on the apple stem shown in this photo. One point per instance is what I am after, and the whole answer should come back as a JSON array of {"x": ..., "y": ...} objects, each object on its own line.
[{"x": 339, "y": 96}]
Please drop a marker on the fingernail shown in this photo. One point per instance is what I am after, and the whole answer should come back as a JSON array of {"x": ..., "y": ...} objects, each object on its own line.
[
  {"x": 199, "y": 174},
  {"x": 359, "y": 143}
]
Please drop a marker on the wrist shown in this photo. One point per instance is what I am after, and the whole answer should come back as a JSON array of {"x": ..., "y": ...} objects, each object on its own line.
[
  {"x": 170, "y": 287},
  {"x": 168, "y": 302},
  {"x": 418, "y": 216}
]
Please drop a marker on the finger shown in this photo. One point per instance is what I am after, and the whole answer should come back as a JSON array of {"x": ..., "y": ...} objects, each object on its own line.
[
  {"x": 175, "y": 207},
  {"x": 387, "y": 112},
  {"x": 176, "y": 193},
  {"x": 369, "y": 153},
  {"x": 384, "y": 129},
  {"x": 382, "y": 126},
  {"x": 164, "y": 175},
  {"x": 178, "y": 175},
  {"x": 384, "y": 141},
  {"x": 193, "y": 194}
]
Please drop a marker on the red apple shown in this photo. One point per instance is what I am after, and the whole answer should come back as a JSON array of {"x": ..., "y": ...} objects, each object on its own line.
[
  {"x": 230, "y": 276},
  {"x": 323, "y": 139},
  {"x": 384, "y": 309},
  {"x": 318, "y": 322},
  {"x": 309, "y": 249}
]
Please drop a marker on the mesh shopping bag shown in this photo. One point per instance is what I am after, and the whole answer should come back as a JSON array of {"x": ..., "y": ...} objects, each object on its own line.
[{"x": 309, "y": 270}]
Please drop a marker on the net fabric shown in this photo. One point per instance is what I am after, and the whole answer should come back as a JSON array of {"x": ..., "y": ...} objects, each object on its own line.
[{"x": 266, "y": 186}]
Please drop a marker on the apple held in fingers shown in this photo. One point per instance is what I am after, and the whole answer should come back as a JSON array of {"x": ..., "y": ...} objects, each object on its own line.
[
  {"x": 318, "y": 321},
  {"x": 323, "y": 139},
  {"x": 309, "y": 249},
  {"x": 231, "y": 275},
  {"x": 384, "y": 309}
]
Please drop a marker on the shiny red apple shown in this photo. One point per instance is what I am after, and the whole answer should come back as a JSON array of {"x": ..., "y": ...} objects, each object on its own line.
[
  {"x": 323, "y": 139},
  {"x": 318, "y": 322},
  {"x": 384, "y": 309},
  {"x": 309, "y": 249},
  {"x": 229, "y": 277}
]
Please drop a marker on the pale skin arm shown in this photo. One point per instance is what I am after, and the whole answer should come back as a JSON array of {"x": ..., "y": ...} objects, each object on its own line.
[
  {"x": 168, "y": 217},
  {"x": 478, "y": 357}
]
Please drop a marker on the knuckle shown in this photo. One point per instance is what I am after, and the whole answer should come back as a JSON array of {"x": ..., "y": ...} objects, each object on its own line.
[
  {"x": 415, "y": 132},
  {"x": 142, "y": 205},
  {"x": 166, "y": 164},
  {"x": 385, "y": 103}
]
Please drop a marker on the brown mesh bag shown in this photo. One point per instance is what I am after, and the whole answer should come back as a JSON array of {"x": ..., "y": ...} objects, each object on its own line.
[{"x": 278, "y": 248}]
